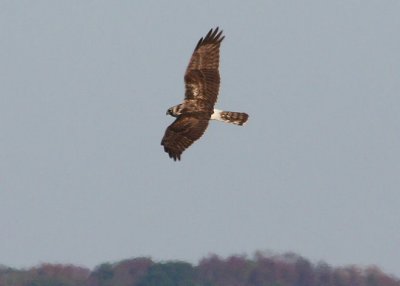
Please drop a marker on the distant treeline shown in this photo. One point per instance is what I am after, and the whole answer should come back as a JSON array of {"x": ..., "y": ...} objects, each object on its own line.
[{"x": 260, "y": 270}]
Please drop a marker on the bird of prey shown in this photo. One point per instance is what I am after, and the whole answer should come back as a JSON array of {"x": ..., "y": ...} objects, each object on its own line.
[{"x": 202, "y": 82}]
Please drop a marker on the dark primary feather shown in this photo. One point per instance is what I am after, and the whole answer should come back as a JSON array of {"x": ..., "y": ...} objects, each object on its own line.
[
  {"x": 202, "y": 78},
  {"x": 182, "y": 133}
]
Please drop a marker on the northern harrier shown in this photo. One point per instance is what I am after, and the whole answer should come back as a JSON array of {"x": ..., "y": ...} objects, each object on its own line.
[{"x": 202, "y": 84}]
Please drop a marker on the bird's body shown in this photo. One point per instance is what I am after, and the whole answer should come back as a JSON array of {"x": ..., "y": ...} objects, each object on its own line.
[{"x": 202, "y": 82}]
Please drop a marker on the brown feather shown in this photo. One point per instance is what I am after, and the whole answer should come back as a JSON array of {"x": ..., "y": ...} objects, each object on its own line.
[
  {"x": 182, "y": 133},
  {"x": 238, "y": 118},
  {"x": 202, "y": 77}
]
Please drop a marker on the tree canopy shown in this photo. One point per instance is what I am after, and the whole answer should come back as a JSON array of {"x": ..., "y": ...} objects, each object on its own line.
[{"x": 260, "y": 270}]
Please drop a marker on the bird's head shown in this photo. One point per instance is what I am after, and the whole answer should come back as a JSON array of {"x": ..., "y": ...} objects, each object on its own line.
[
  {"x": 175, "y": 111},
  {"x": 169, "y": 111}
]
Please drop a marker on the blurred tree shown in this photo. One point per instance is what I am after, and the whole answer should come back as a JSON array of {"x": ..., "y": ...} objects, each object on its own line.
[
  {"x": 323, "y": 275},
  {"x": 305, "y": 272},
  {"x": 262, "y": 270},
  {"x": 131, "y": 271},
  {"x": 169, "y": 274},
  {"x": 102, "y": 275}
]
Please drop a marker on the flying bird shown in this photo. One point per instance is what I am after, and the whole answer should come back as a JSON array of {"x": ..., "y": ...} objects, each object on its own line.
[{"x": 202, "y": 82}]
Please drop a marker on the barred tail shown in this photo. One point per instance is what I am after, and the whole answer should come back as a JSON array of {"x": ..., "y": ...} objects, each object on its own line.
[{"x": 238, "y": 118}]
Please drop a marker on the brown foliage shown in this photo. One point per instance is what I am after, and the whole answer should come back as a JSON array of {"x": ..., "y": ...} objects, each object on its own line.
[{"x": 270, "y": 270}]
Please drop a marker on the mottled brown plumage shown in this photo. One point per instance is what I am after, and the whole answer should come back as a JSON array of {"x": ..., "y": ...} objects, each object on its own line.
[
  {"x": 202, "y": 82},
  {"x": 202, "y": 74},
  {"x": 182, "y": 133}
]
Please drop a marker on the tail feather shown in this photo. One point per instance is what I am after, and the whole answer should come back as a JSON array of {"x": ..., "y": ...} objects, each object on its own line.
[{"x": 238, "y": 118}]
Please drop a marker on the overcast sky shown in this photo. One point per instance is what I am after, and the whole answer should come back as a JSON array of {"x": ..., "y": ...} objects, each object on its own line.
[{"x": 84, "y": 90}]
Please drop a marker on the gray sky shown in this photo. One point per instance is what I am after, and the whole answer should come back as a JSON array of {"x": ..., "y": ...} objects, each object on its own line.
[{"x": 83, "y": 94}]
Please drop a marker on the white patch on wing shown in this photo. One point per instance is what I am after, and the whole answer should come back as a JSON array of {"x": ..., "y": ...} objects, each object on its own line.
[
  {"x": 195, "y": 89},
  {"x": 216, "y": 115}
]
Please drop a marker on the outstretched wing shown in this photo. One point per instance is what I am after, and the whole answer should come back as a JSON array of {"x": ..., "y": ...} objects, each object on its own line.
[
  {"x": 182, "y": 133},
  {"x": 202, "y": 76}
]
